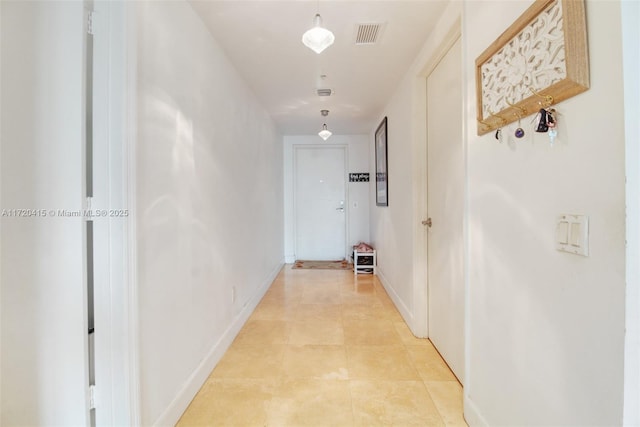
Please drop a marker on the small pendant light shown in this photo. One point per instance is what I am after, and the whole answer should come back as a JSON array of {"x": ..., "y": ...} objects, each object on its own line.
[
  {"x": 318, "y": 38},
  {"x": 324, "y": 133}
]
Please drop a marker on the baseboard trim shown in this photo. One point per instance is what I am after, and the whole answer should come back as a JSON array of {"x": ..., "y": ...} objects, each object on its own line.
[
  {"x": 193, "y": 384},
  {"x": 472, "y": 415},
  {"x": 406, "y": 314}
]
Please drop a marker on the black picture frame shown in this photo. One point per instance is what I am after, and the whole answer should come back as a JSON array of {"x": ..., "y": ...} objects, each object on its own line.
[{"x": 382, "y": 175}]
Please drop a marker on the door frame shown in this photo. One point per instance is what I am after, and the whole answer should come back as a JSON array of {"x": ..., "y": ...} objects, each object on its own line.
[
  {"x": 631, "y": 65},
  {"x": 114, "y": 170},
  {"x": 296, "y": 148},
  {"x": 420, "y": 320},
  {"x": 446, "y": 47}
]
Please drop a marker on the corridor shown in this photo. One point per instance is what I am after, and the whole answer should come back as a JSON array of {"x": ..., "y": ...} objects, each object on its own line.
[{"x": 325, "y": 348}]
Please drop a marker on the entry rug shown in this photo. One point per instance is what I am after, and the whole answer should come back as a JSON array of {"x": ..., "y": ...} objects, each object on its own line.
[{"x": 323, "y": 265}]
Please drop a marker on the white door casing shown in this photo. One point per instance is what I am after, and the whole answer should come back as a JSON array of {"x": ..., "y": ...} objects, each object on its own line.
[
  {"x": 445, "y": 200},
  {"x": 113, "y": 168},
  {"x": 320, "y": 202}
]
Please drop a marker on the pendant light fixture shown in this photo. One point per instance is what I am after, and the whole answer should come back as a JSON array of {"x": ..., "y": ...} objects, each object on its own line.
[
  {"x": 318, "y": 38},
  {"x": 324, "y": 133}
]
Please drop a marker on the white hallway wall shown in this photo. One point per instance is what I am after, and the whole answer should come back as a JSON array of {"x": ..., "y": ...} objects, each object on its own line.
[
  {"x": 358, "y": 192},
  {"x": 43, "y": 300},
  {"x": 209, "y": 205},
  {"x": 538, "y": 316},
  {"x": 539, "y": 321}
]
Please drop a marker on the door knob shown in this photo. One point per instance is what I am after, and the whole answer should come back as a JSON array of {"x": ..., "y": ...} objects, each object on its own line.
[{"x": 427, "y": 222}]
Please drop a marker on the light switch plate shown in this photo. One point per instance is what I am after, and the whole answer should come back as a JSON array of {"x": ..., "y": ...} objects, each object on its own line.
[
  {"x": 562, "y": 232},
  {"x": 572, "y": 234}
]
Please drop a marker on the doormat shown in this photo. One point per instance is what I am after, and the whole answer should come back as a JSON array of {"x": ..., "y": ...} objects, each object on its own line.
[{"x": 323, "y": 265}]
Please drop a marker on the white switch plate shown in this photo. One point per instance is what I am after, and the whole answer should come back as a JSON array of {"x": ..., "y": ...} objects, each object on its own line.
[
  {"x": 562, "y": 232},
  {"x": 572, "y": 234}
]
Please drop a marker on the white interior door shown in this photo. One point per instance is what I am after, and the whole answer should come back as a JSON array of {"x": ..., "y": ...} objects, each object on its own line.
[
  {"x": 320, "y": 203},
  {"x": 445, "y": 199}
]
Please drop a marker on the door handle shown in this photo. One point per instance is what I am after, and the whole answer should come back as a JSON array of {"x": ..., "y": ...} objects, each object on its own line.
[
  {"x": 427, "y": 222},
  {"x": 340, "y": 209}
]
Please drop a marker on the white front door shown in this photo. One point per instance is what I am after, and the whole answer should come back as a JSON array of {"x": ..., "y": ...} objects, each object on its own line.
[
  {"x": 445, "y": 198},
  {"x": 320, "y": 202}
]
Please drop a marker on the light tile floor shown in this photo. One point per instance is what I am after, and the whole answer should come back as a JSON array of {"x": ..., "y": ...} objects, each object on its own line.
[{"x": 325, "y": 348}]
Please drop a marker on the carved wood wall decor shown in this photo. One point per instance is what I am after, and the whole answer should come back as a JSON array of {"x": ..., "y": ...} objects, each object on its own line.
[{"x": 540, "y": 60}]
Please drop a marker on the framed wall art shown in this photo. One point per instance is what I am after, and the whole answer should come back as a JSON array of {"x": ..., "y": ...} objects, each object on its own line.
[
  {"x": 538, "y": 61},
  {"x": 382, "y": 177}
]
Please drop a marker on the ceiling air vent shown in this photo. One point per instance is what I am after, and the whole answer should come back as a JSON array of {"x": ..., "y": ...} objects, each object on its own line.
[
  {"x": 324, "y": 92},
  {"x": 368, "y": 33}
]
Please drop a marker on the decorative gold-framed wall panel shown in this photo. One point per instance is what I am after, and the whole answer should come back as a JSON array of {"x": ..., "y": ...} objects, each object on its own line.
[{"x": 540, "y": 60}]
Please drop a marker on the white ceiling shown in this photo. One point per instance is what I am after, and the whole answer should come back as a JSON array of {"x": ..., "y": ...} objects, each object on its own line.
[{"x": 263, "y": 41}]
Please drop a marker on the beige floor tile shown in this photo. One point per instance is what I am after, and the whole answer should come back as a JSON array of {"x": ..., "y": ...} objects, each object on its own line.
[
  {"x": 358, "y": 287},
  {"x": 328, "y": 362},
  {"x": 407, "y": 336},
  {"x": 370, "y": 332},
  {"x": 386, "y": 300},
  {"x": 263, "y": 332},
  {"x": 363, "y": 312},
  {"x": 287, "y": 279},
  {"x": 319, "y": 332},
  {"x": 290, "y": 299},
  {"x": 321, "y": 293},
  {"x": 311, "y": 402},
  {"x": 284, "y": 293},
  {"x": 447, "y": 396},
  {"x": 303, "y": 359},
  {"x": 389, "y": 304},
  {"x": 392, "y": 312},
  {"x": 318, "y": 312},
  {"x": 274, "y": 310},
  {"x": 364, "y": 279},
  {"x": 381, "y": 291},
  {"x": 318, "y": 277},
  {"x": 363, "y": 298},
  {"x": 380, "y": 363},
  {"x": 429, "y": 363},
  {"x": 394, "y": 315},
  {"x": 230, "y": 403},
  {"x": 393, "y": 403},
  {"x": 242, "y": 361}
]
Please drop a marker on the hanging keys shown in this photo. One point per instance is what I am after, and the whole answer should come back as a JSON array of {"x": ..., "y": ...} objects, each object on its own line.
[
  {"x": 551, "y": 119},
  {"x": 541, "y": 121},
  {"x": 552, "y": 125}
]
